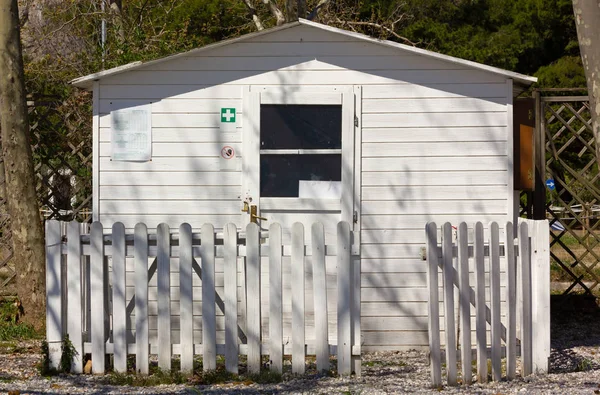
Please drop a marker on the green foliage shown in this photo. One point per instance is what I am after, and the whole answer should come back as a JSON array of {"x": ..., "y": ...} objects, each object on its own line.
[
  {"x": 515, "y": 35},
  {"x": 44, "y": 364},
  {"x": 66, "y": 357},
  {"x": 566, "y": 72},
  {"x": 68, "y": 352},
  {"x": 10, "y": 327}
]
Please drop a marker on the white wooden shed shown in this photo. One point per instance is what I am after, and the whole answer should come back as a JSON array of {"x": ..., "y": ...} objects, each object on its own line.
[{"x": 312, "y": 123}]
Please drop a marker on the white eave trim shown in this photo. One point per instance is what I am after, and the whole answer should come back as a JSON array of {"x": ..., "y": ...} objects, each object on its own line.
[{"x": 86, "y": 82}]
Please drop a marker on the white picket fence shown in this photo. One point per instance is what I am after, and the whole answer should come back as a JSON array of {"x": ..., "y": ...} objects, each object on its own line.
[
  {"x": 74, "y": 257},
  {"x": 525, "y": 326}
]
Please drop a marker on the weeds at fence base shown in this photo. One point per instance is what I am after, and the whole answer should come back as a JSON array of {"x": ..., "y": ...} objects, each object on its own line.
[
  {"x": 167, "y": 377},
  {"x": 219, "y": 375}
]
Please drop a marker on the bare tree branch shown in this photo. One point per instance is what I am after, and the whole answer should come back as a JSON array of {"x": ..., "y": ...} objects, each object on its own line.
[
  {"x": 255, "y": 18},
  {"x": 275, "y": 11},
  {"x": 381, "y": 27},
  {"x": 313, "y": 14}
]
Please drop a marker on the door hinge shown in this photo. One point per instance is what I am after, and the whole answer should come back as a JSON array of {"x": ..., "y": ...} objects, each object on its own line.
[
  {"x": 355, "y": 217},
  {"x": 355, "y": 121}
]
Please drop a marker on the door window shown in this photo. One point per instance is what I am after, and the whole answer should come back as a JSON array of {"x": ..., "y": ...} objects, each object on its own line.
[{"x": 300, "y": 145}]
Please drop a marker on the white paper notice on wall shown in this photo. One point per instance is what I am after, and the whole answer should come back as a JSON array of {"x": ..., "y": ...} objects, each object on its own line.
[
  {"x": 309, "y": 189},
  {"x": 131, "y": 133}
]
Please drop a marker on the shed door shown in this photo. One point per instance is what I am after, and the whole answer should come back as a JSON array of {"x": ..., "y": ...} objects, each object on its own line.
[{"x": 299, "y": 158}]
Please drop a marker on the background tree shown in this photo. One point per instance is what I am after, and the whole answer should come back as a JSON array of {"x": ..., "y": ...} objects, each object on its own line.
[
  {"x": 27, "y": 233},
  {"x": 587, "y": 18}
]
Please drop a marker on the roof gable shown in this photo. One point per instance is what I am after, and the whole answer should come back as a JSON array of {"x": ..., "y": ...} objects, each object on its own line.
[{"x": 520, "y": 79}]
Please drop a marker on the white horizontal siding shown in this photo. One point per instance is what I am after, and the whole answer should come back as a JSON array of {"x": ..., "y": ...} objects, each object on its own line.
[
  {"x": 184, "y": 135},
  {"x": 165, "y": 192},
  {"x": 401, "y": 134},
  {"x": 408, "y": 177},
  {"x": 435, "y": 153},
  {"x": 434, "y": 146},
  {"x": 176, "y": 149},
  {"x": 304, "y": 77},
  {"x": 434, "y": 105}
]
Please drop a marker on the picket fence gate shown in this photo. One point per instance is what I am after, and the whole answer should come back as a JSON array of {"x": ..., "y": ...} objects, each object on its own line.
[
  {"x": 68, "y": 292},
  {"x": 527, "y": 299}
]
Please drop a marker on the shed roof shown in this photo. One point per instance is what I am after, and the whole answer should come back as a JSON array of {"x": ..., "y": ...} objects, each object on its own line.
[{"x": 522, "y": 80}]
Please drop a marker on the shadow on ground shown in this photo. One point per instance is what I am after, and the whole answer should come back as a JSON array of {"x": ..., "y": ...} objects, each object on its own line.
[{"x": 575, "y": 333}]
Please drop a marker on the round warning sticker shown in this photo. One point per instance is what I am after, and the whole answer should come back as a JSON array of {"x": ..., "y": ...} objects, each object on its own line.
[{"x": 227, "y": 152}]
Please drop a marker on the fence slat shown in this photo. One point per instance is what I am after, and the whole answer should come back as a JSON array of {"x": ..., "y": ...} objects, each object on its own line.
[
  {"x": 253, "y": 300},
  {"x": 526, "y": 320},
  {"x": 435, "y": 361},
  {"x": 118, "y": 296},
  {"x": 511, "y": 300},
  {"x": 297, "y": 290},
  {"x": 320, "y": 296},
  {"x": 54, "y": 326},
  {"x": 448, "y": 274},
  {"x": 142, "y": 343},
  {"x": 275, "y": 299},
  {"x": 344, "y": 349},
  {"x": 164, "y": 296},
  {"x": 209, "y": 312},
  {"x": 480, "y": 307},
  {"x": 496, "y": 324},
  {"x": 186, "y": 331},
  {"x": 231, "y": 322},
  {"x": 540, "y": 296},
  {"x": 98, "y": 296},
  {"x": 74, "y": 314},
  {"x": 464, "y": 301}
]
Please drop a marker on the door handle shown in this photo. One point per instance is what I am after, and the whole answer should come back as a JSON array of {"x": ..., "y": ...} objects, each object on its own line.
[{"x": 254, "y": 216}]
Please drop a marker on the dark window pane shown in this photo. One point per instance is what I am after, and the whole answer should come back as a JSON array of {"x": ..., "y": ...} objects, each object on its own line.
[
  {"x": 300, "y": 126},
  {"x": 280, "y": 174}
]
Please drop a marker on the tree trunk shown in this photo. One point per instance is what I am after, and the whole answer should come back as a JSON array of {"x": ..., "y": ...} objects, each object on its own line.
[
  {"x": 587, "y": 19},
  {"x": 27, "y": 232}
]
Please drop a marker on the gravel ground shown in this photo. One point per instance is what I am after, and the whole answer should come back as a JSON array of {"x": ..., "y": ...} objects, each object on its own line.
[{"x": 575, "y": 369}]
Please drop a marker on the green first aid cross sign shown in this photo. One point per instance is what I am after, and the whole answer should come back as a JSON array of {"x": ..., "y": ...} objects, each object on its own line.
[{"x": 228, "y": 115}]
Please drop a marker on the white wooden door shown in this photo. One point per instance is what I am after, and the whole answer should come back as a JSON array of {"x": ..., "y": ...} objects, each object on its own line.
[{"x": 298, "y": 157}]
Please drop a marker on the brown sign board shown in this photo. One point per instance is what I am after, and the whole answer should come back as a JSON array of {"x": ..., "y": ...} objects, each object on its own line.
[{"x": 523, "y": 135}]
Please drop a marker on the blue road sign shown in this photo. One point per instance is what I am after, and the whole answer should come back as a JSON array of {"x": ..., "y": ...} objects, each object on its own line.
[{"x": 550, "y": 184}]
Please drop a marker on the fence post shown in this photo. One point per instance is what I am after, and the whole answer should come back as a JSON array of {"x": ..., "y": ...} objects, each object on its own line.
[
  {"x": 74, "y": 294},
  {"x": 464, "y": 301},
  {"x": 98, "y": 296},
  {"x": 448, "y": 280},
  {"x": 209, "y": 327},
  {"x": 186, "y": 317},
  {"x": 511, "y": 300},
  {"x": 320, "y": 296},
  {"x": 496, "y": 324},
  {"x": 525, "y": 285},
  {"x": 54, "y": 328},
  {"x": 435, "y": 361},
  {"x": 297, "y": 287},
  {"x": 344, "y": 347},
  {"x": 480, "y": 321},
  {"x": 163, "y": 241},
  {"x": 231, "y": 283},
  {"x": 540, "y": 295},
  {"x": 253, "y": 301},
  {"x": 142, "y": 344},
  {"x": 118, "y": 298}
]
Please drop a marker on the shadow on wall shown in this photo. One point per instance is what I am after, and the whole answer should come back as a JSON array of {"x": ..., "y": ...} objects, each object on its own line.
[{"x": 413, "y": 171}]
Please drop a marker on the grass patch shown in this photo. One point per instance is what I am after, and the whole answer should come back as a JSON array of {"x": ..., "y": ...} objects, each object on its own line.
[
  {"x": 169, "y": 377},
  {"x": 10, "y": 327},
  {"x": 16, "y": 331}
]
